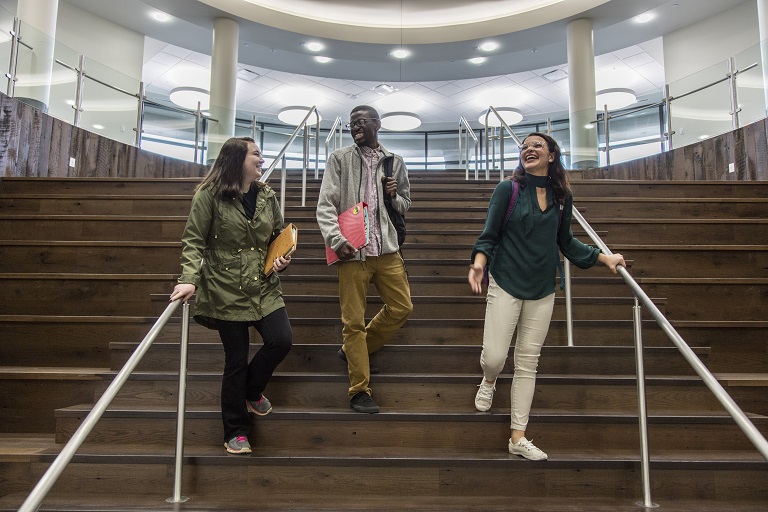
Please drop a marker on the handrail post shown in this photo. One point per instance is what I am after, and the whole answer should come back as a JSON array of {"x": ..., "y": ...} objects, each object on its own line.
[
  {"x": 642, "y": 412},
  {"x": 305, "y": 159},
  {"x": 607, "y": 136},
  {"x": 198, "y": 116},
  {"x": 667, "y": 107},
  {"x": 501, "y": 154},
  {"x": 140, "y": 115},
  {"x": 181, "y": 411},
  {"x": 282, "y": 189},
  {"x": 568, "y": 301},
  {"x": 317, "y": 146},
  {"x": 466, "y": 171},
  {"x": 42, "y": 488},
  {"x": 734, "y": 93},
  {"x": 14, "y": 58},
  {"x": 79, "y": 89}
]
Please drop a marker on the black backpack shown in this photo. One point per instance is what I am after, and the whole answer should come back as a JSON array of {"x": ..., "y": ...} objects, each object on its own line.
[{"x": 395, "y": 217}]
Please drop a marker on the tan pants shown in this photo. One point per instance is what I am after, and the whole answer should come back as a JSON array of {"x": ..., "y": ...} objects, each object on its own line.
[
  {"x": 388, "y": 274},
  {"x": 503, "y": 313}
]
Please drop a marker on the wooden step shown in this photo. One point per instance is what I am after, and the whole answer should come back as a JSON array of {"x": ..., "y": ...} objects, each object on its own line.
[
  {"x": 305, "y": 429},
  {"x": 426, "y": 477},
  {"x": 412, "y": 359},
  {"x": 432, "y": 392}
]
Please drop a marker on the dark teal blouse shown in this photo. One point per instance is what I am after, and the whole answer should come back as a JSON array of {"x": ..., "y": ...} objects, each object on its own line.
[{"x": 523, "y": 260}]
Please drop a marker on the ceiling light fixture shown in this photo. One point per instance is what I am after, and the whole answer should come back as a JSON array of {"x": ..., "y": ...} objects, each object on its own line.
[
  {"x": 314, "y": 46},
  {"x": 615, "y": 98},
  {"x": 477, "y": 60},
  {"x": 188, "y": 97},
  {"x": 322, "y": 60},
  {"x": 99, "y": 126},
  {"x": 400, "y": 53},
  {"x": 510, "y": 116},
  {"x": 161, "y": 17},
  {"x": 295, "y": 114},
  {"x": 488, "y": 46},
  {"x": 400, "y": 121},
  {"x": 644, "y": 18}
]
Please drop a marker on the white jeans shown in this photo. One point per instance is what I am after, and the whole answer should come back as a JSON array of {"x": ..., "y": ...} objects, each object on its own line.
[{"x": 503, "y": 313}]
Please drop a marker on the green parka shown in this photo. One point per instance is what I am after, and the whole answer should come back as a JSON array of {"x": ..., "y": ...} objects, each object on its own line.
[{"x": 222, "y": 254}]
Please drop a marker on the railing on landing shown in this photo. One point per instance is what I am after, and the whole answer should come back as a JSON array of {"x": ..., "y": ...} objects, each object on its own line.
[
  {"x": 42, "y": 488},
  {"x": 698, "y": 366},
  {"x": 304, "y": 124},
  {"x": 467, "y": 131}
]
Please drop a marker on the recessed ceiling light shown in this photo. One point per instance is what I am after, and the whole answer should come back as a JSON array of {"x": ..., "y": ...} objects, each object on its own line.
[
  {"x": 322, "y": 60},
  {"x": 99, "y": 126},
  {"x": 477, "y": 60},
  {"x": 70, "y": 102},
  {"x": 314, "y": 46},
  {"x": 400, "y": 53},
  {"x": 189, "y": 97},
  {"x": 644, "y": 18},
  {"x": 161, "y": 17},
  {"x": 509, "y": 115},
  {"x": 702, "y": 137},
  {"x": 400, "y": 121},
  {"x": 295, "y": 114},
  {"x": 488, "y": 46}
]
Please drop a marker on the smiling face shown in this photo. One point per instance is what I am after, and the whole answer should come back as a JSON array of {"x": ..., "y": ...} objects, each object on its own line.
[
  {"x": 364, "y": 127},
  {"x": 535, "y": 156},
  {"x": 252, "y": 165}
]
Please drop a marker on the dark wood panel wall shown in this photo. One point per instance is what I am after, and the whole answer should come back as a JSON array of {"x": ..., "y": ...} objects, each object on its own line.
[
  {"x": 746, "y": 148},
  {"x": 34, "y": 144}
]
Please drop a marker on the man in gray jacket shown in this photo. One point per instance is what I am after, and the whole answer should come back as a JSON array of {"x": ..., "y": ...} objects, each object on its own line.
[{"x": 355, "y": 174}]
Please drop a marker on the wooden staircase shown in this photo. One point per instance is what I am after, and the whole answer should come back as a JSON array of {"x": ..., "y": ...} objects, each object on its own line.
[{"x": 86, "y": 266}]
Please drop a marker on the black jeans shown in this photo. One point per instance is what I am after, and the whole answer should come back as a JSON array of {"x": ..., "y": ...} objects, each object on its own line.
[{"x": 243, "y": 380}]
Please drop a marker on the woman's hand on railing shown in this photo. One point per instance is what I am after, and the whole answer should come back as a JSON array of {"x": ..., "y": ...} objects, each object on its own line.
[
  {"x": 612, "y": 261},
  {"x": 183, "y": 291},
  {"x": 281, "y": 262}
]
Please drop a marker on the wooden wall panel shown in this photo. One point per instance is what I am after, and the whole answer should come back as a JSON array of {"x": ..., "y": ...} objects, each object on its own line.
[
  {"x": 35, "y": 144},
  {"x": 746, "y": 148}
]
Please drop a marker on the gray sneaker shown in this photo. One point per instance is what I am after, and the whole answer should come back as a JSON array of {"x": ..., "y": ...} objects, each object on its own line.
[
  {"x": 262, "y": 407},
  {"x": 238, "y": 444},
  {"x": 527, "y": 449},
  {"x": 484, "y": 396}
]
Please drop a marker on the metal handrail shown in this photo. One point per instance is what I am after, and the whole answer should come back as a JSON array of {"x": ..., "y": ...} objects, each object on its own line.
[
  {"x": 744, "y": 423},
  {"x": 469, "y": 132},
  {"x": 505, "y": 126},
  {"x": 335, "y": 134},
  {"x": 42, "y": 488},
  {"x": 281, "y": 156}
]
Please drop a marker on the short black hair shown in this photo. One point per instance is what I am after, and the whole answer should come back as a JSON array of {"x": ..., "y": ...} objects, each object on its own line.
[{"x": 366, "y": 108}]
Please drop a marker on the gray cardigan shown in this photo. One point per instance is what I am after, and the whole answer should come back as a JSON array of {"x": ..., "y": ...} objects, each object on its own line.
[{"x": 344, "y": 182}]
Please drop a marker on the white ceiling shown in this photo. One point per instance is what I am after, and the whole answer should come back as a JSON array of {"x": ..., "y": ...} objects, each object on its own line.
[{"x": 278, "y": 70}]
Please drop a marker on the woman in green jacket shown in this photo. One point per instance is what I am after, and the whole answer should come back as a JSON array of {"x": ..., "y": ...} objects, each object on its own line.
[
  {"x": 521, "y": 292},
  {"x": 233, "y": 219}
]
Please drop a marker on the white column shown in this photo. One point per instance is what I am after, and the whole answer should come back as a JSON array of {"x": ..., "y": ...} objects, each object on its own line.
[
  {"x": 226, "y": 38},
  {"x": 38, "y": 30},
  {"x": 581, "y": 94},
  {"x": 762, "y": 20}
]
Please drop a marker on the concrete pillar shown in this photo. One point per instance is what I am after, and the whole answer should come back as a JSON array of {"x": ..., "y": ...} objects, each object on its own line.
[
  {"x": 35, "y": 68},
  {"x": 581, "y": 94},
  {"x": 762, "y": 20},
  {"x": 226, "y": 38}
]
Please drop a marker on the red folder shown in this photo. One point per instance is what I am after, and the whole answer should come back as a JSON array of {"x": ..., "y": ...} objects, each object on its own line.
[{"x": 354, "y": 227}]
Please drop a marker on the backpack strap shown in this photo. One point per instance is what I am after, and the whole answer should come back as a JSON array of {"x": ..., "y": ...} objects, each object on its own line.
[{"x": 515, "y": 193}]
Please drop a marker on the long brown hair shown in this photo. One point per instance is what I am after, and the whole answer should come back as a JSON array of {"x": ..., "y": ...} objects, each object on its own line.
[
  {"x": 558, "y": 176},
  {"x": 226, "y": 174}
]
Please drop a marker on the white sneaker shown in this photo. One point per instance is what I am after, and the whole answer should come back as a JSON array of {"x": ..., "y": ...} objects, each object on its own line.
[
  {"x": 484, "y": 396},
  {"x": 526, "y": 449}
]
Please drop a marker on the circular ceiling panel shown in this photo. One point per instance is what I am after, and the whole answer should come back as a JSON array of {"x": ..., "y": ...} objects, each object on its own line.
[{"x": 413, "y": 21}]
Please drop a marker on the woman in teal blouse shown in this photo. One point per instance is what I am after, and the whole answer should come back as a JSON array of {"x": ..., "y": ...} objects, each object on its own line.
[{"x": 523, "y": 257}]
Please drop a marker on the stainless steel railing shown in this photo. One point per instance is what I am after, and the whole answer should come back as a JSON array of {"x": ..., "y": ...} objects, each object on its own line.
[
  {"x": 335, "y": 134},
  {"x": 710, "y": 381},
  {"x": 503, "y": 126},
  {"x": 467, "y": 131},
  {"x": 42, "y": 488},
  {"x": 305, "y": 149}
]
